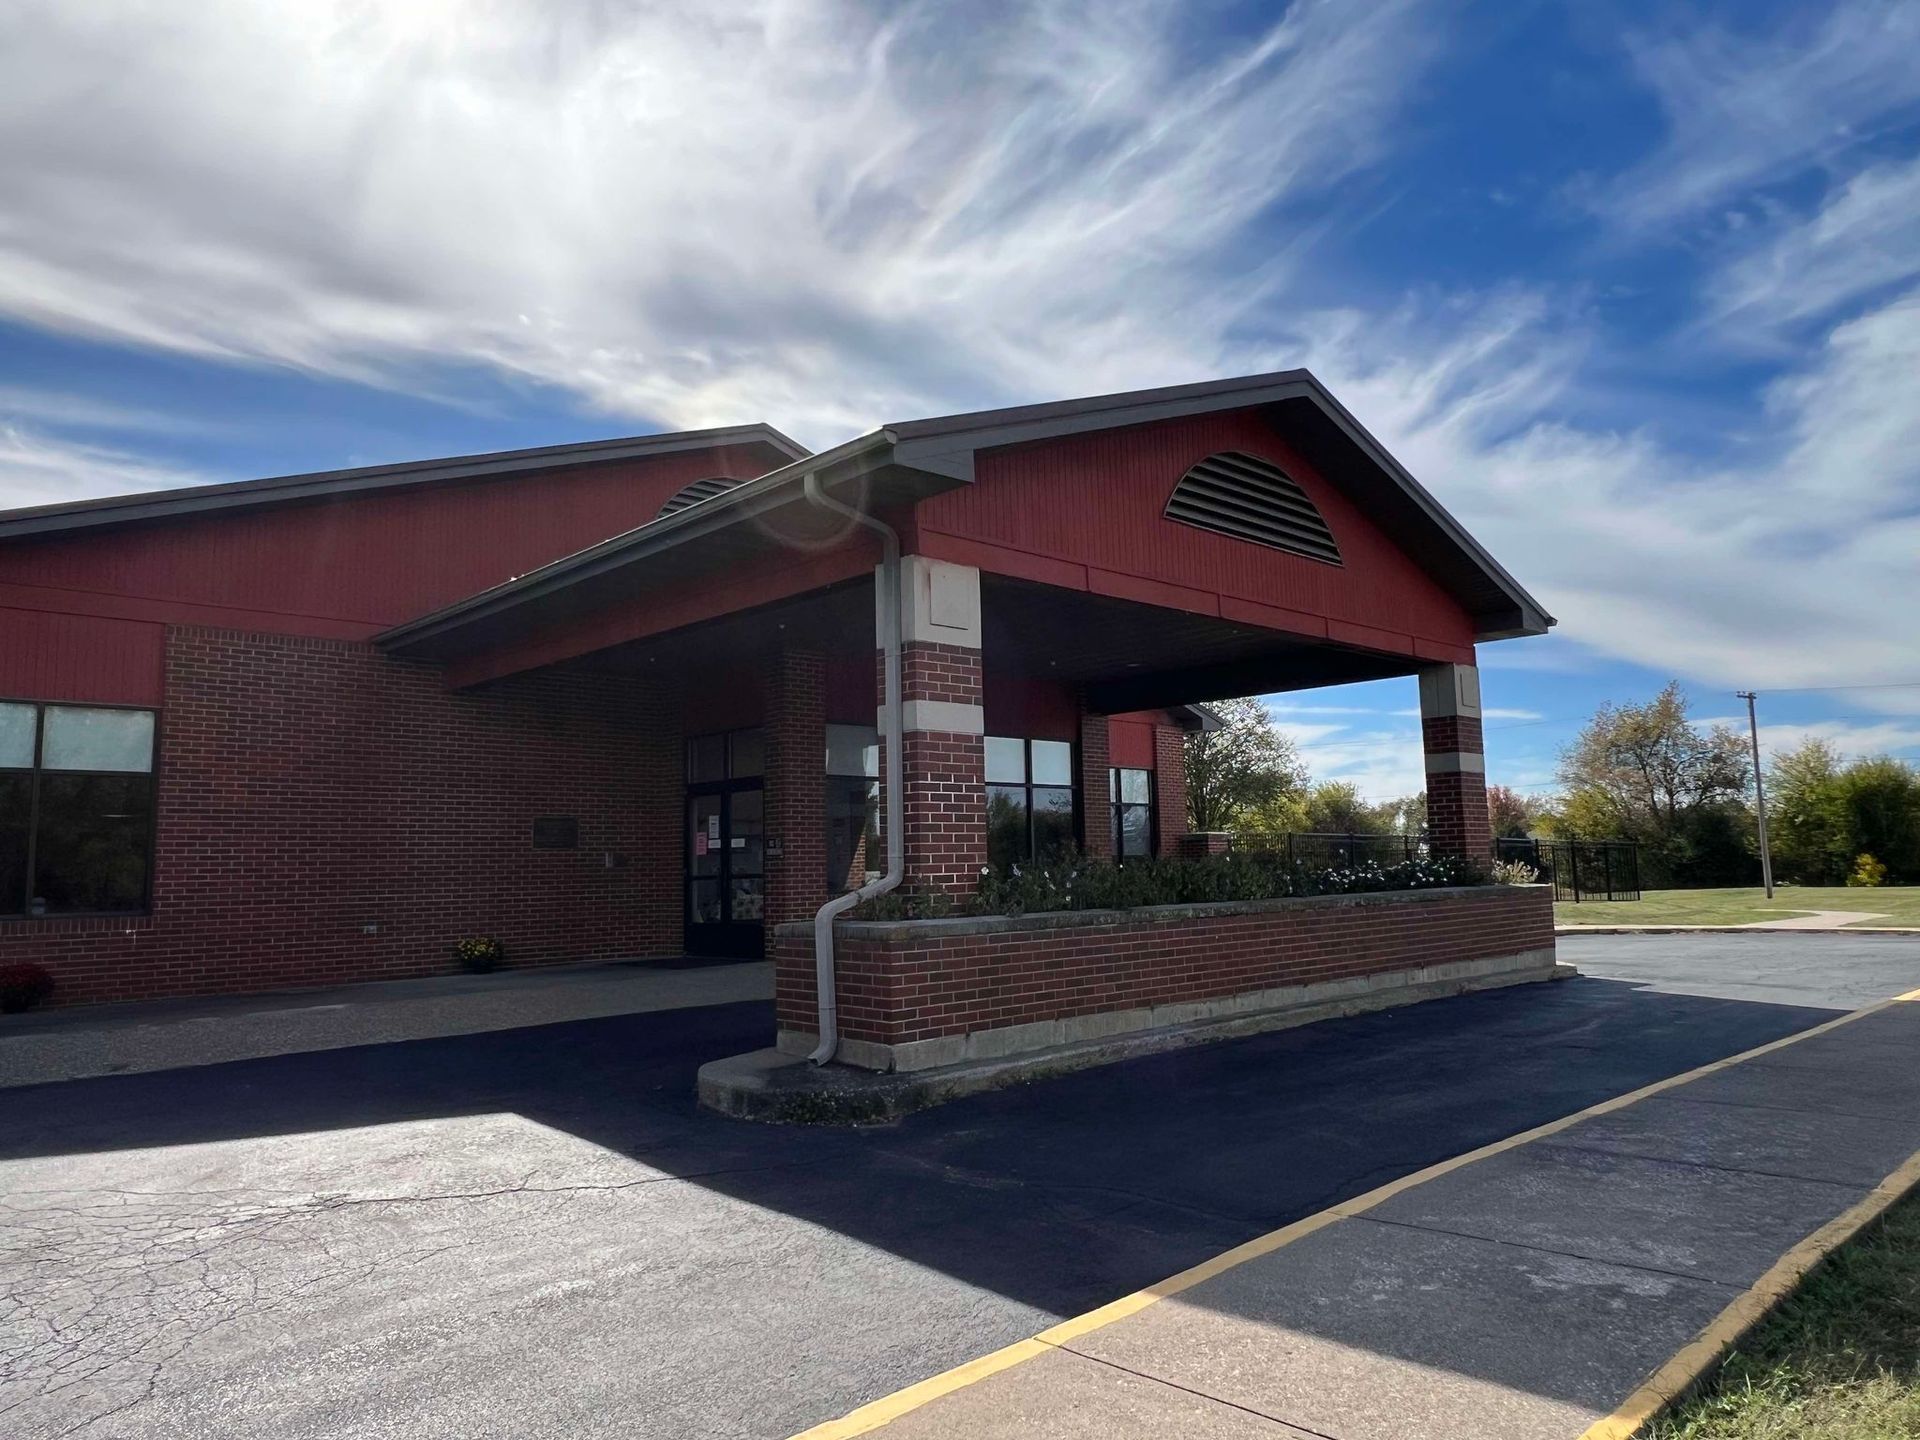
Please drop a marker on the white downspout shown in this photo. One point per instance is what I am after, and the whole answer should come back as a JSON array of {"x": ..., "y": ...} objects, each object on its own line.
[{"x": 893, "y": 770}]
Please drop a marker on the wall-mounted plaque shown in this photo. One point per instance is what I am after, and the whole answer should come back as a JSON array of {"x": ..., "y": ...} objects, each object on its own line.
[{"x": 556, "y": 832}]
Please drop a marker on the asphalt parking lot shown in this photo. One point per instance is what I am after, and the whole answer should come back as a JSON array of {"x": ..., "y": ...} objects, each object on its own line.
[{"x": 535, "y": 1232}]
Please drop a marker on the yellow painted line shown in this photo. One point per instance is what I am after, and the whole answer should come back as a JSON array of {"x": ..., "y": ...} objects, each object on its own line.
[
  {"x": 888, "y": 1408},
  {"x": 1698, "y": 1355}
]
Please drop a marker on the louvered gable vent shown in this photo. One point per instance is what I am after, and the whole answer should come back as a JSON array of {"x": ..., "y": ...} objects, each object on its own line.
[
  {"x": 696, "y": 492},
  {"x": 1237, "y": 495}
]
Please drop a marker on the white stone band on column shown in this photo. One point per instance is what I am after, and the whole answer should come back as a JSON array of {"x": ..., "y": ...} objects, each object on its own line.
[
  {"x": 941, "y": 603},
  {"x": 1450, "y": 690},
  {"x": 947, "y": 717}
]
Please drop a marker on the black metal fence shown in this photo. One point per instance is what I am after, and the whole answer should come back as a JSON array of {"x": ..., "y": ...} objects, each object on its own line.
[
  {"x": 1317, "y": 851},
  {"x": 1579, "y": 869}
]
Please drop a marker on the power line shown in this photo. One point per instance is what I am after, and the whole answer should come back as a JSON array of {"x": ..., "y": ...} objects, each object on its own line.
[{"x": 1824, "y": 689}]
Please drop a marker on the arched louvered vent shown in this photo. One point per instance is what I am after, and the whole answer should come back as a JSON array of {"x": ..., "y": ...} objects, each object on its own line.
[
  {"x": 696, "y": 492},
  {"x": 1237, "y": 495}
]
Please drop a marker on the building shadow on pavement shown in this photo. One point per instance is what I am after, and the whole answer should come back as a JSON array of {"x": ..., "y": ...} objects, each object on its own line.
[{"x": 1061, "y": 1194}]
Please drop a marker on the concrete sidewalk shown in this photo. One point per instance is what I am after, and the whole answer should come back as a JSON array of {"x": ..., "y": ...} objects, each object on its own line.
[
  {"x": 1523, "y": 1291},
  {"x": 170, "y": 1034}
]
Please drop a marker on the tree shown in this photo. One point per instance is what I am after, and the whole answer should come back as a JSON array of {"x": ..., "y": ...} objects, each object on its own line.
[
  {"x": 1647, "y": 773},
  {"x": 1512, "y": 813},
  {"x": 1808, "y": 826},
  {"x": 1882, "y": 800},
  {"x": 1334, "y": 807},
  {"x": 1240, "y": 767},
  {"x": 1823, "y": 815}
]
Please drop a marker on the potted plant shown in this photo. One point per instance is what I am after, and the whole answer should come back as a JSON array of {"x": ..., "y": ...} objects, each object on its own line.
[
  {"x": 23, "y": 986},
  {"x": 478, "y": 954}
]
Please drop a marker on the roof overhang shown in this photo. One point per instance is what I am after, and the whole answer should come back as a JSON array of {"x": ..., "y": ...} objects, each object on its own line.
[
  {"x": 323, "y": 485},
  {"x": 904, "y": 462}
]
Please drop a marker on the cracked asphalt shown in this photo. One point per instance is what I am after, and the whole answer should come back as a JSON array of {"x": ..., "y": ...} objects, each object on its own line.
[{"x": 534, "y": 1232}]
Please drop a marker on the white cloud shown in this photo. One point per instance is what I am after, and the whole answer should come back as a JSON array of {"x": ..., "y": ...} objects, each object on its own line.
[
  {"x": 1747, "y": 110},
  {"x": 820, "y": 212},
  {"x": 1793, "y": 568},
  {"x": 1854, "y": 739},
  {"x": 1864, "y": 238},
  {"x": 41, "y": 469}
]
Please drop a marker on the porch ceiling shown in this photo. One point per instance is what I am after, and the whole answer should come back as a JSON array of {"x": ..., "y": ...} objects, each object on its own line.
[
  {"x": 1131, "y": 656},
  {"x": 1126, "y": 655}
]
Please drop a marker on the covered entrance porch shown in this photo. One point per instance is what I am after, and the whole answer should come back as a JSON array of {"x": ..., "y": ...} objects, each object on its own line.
[{"x": 1072, "y": 582}]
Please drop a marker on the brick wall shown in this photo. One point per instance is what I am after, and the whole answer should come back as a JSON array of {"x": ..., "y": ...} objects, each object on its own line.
[
  {"x": 1458, "y": 822},
  {"x": 1170, "y": 787},
  {"x": 946, "y": 794},
  {"x": 796, "y": 782},
  {"x": 1096, "y": 803},
  {"x": 921, "y": 980},
  {"x": 1442, "y": 733},
  {"x": 309, "y": 788}
]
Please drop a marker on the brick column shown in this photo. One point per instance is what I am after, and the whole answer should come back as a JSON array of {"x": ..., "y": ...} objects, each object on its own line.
[
  {"x": 1096, "y": 812},
  {"x": 796, "y": 784},
  {"x": 1169, "y": 788},
  {"x": 945, "y": 760},
  {"x": 1457, "y": 819}
]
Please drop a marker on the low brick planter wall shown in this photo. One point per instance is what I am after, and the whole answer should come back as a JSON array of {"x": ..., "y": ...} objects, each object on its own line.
[{"x": 920, "y": 993}]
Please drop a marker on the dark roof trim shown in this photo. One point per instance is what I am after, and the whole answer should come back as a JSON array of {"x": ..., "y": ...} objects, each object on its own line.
[{"x": 327, "y": 484}]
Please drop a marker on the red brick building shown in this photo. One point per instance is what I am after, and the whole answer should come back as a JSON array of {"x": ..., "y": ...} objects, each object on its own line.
[{"x": 622, "y": 699}]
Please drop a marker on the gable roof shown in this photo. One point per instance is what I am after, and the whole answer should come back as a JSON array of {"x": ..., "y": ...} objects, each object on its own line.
[
  {"x": 907, "y": 460},
  {"x": 331, "y": 484}
]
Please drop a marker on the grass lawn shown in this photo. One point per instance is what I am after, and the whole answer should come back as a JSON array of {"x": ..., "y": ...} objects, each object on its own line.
[
  {"x": 1899, "y": 903},
  {"x": 1839, "y": 1360}
]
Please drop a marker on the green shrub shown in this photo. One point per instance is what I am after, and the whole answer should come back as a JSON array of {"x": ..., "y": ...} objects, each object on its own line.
[
  {"x": 1867, "y": 871},
  {"x": 1077, "y": 883}
]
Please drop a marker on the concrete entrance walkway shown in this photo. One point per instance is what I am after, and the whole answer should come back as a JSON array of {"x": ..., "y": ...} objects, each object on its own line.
[
  {"x": 1816, "y": 920},
  {"x": 169, "y": 1034},
  {"x": 1525, "y": 1290}
]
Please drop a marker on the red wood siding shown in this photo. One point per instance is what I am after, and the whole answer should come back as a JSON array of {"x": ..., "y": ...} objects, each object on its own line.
[
  {"x": 1130, "y": 743},
  {"x": 348, "y": 568},
  {"x": 1085, "y": 511},
  {"x": 86, "y": 658},
  {"x": 1029, "y": 708}
]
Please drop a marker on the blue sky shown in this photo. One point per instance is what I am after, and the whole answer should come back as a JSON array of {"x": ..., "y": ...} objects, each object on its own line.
[{"x": 1634, "y": 288}]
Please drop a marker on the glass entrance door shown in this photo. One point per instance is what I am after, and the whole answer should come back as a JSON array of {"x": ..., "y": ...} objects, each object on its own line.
[{"x": 725, "y": 847}]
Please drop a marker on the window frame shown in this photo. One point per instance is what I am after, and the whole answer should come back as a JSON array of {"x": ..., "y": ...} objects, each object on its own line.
[
  {"x": 10, "y": 916},
  {"x": 1117, "y": 808},
  {"x": 1028, "y": 785}
]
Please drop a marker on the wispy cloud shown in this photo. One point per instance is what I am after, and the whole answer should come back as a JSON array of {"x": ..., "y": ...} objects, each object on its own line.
[
  {"x": 41, "y": 469},
  {"x": 1854, "y": 739},
  {"x": 1783, "y": 570},
  {"x": 1747, "y": 109},
  {"x": 826, "y": 213}
]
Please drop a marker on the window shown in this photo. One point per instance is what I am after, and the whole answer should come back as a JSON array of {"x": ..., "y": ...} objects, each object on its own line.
[
  {"x": 854, "y": 852},
  {"x": 76, "y": 809},
  {"x": 1029, "y": 799},
  {"x": 1130, "y": 792}
]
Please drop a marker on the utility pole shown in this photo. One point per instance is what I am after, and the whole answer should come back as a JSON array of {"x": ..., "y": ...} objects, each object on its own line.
[{"x": 1759, "y": 792}]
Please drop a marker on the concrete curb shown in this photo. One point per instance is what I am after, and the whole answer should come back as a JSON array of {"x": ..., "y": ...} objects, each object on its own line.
[
  {"x": 770, "y": 1085},
  {"x": 1735, "y": 930}
]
